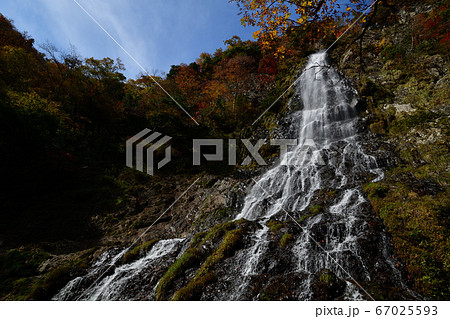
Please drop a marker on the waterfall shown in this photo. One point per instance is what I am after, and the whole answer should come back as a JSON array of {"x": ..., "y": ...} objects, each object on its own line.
[
  {"x": 326, "y": 132},
  {"x": 124, "y": 282},
  {"x": 326, "y": 169},
  {"x": 327, "y": 121}
]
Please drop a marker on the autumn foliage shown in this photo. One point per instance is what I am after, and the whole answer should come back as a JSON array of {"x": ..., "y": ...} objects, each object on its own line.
[{"x": 312, "y": 20}]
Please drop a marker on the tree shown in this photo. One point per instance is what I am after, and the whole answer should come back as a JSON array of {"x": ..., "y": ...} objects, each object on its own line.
[
  {"x": 9, "y": 36},
  {"x": 188, "y": 81},
  {"x": 107, "y": 72},
  {"x": 237, "y": 74},
  {"x": 276, "y": 18},
  {"x": 61, "y": 65},
  {"x": 104, "y": 69}
]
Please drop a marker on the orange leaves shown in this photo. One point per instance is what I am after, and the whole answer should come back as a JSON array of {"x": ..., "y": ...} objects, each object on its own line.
[
  {"x": 188, "y": 81},
  {"x": 256, "y": 34},
  {"x": 213, "y": 90},
  {"x": 236, "y": 74},
  {"x": 276, "y": 18}
]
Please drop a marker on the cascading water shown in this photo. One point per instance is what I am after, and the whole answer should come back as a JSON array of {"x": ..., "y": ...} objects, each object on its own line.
[
  {"x": 122, "y": 283},
  {"x": 327, "y": 166},
  {"x": 328, "y": 156}
]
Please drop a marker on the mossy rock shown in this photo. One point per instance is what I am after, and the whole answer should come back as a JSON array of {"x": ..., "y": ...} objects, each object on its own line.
[
  {"x": 227, "y": 247},
  {"x": 197, "y": 255},
  {"x": 327, "y": 286},
  {"x": 377, "y": 128},
  {"x": 281, "y": 287},
  {"x": 219, "y": 230},
  {"x": 46, "y": 287},
  {"x": 205, "y": 275},
  {"x": 313, "y": 211},
  {"x": 412, "y": 209},
  {"x": 376, "y": 190},
  {"x": 195, "y": 288},
  {"x": 17, "y": 270},
  {"x": 274, "y": 225},
  {"x": 286, "y": 239},
  {"x": 191, "y": 258},
  {"x": 138, "y": 251}
]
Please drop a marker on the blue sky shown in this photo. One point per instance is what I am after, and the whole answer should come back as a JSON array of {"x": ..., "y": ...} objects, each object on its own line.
[{"x": 157, "y": 33}]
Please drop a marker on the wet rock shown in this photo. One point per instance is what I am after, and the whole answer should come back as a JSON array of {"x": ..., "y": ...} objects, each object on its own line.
[
  {"x": 287, "y": 286},
  {"x": 400, "y": 108},
  {"x": 327, "y": 286}
]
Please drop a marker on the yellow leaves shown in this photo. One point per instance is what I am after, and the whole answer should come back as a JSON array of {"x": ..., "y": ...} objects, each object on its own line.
[
  {"x": 280, "y": 51},
  {"x": 302, "y": 20},
  {"x": 256, "y": 34},
  {"x": 381, "y": 44},
  {"x": 276, "y": 17}
]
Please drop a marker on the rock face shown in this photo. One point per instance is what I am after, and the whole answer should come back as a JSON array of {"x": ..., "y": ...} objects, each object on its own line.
[
  {"x": 326, "y": 286},
  {"x": 304, "y": 230},
  {"x": 401, "y": 108},
  {"x": 403, "y": 83}
]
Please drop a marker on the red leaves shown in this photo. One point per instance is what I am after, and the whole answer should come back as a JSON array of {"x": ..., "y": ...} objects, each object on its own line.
[{"x": 434, "y": 26}]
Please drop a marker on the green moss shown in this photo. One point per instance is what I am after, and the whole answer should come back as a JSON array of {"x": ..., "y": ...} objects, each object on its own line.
[
  {"x": 189, "y": 259},
  {"x": 16, "y": 268},
  {"x": 286, "y": 239},
  {"x": 220, "y": 230},
  {"x": 194, "y": 289},
  {"x": 377, "y": 190},
  {"x": 325, "y": 278},
  {"x": 46, "y": 287},
  {"x": 274, "y": 225},
  {"x": 419, "y": 233},
  {"x": 198, "y": 239},
  {"x": 313, "y": 211},
  {"x": 138, "y": 251},
  {"x": 205, "y": 274},
  {"x": 377, "y": 127},
  {"x": 316, "y": 209},
  {"x": 226, "y": 248},
  {"x": 402, "y": 125}
]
